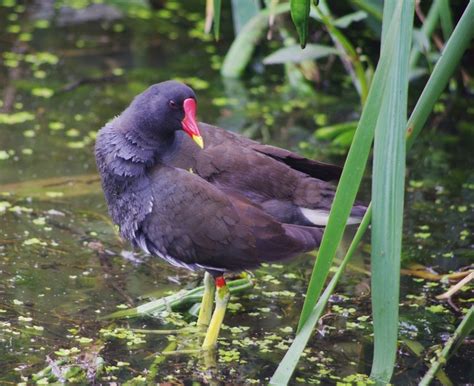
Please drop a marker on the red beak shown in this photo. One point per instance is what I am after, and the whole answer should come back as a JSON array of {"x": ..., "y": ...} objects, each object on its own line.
[{"x": 189, "y": 122}]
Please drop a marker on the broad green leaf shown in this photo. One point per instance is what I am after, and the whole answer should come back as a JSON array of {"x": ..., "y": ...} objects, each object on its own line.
[
  {"x": 242, "y": 48},
  {"x": 388, "y": 182},
  {"x": 242, "y": 12}
]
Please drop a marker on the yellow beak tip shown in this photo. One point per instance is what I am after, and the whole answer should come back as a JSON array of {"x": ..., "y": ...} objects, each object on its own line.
[{"x": 198, "y": 140}]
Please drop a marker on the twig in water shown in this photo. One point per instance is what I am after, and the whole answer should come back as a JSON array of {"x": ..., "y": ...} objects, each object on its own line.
[{"x": 73, "y": 85}]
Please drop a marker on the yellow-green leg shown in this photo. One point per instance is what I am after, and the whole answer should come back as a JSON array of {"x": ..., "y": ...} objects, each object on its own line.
[
  {"x": 222, "y": 298},
  {"x": 205, "y": 311}
]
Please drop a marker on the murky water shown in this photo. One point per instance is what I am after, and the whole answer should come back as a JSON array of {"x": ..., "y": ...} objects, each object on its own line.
[{"x": 63, "y": 268}]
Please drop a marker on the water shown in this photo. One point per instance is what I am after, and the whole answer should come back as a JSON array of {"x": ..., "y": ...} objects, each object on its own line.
[{"x": 63, "y": 268}]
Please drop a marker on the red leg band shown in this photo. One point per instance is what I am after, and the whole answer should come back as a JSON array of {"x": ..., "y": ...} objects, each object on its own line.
[{"x": 220, "y": 281}]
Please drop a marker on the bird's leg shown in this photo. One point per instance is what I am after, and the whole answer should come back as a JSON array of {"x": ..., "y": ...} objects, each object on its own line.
[
  {"x": 222, "y": 298},
  {"x": 205, "y": 311}
]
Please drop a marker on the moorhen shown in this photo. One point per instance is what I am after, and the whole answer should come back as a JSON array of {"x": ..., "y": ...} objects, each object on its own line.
[{"x": 201, "y": 197}]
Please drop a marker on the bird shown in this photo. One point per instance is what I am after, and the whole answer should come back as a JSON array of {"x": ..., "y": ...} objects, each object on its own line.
[{"x": 204, "y": 198}]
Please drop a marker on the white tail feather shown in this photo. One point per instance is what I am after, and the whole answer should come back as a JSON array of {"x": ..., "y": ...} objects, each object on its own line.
[{"x": 320, "y": 217}]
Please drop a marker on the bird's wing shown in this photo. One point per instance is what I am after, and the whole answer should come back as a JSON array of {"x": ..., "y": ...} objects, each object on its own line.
[
  {"x": 217, "y": 136},
  {"x": 289, "y": 187},
  {"x": 262, "y": 179},
  {"x": 316, "y": 169},
  {"x": 194, "y": 224}
]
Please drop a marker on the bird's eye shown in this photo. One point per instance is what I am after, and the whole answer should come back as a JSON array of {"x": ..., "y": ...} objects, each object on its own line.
[{"x": 173, "y": 104}]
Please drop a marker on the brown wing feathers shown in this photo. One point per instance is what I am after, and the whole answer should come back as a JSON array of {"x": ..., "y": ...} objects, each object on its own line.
[{"x": 197, "y": 224}]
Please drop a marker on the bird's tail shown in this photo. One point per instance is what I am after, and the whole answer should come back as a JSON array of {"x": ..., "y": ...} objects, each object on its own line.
[
  {"x": 319, "y": 217},
  {"x": 310, "y": 237},
  {"x": 357, "y": 213}
]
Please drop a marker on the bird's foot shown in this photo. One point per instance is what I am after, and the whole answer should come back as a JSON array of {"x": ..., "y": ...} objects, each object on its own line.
[{"x": 205, "y": 311}]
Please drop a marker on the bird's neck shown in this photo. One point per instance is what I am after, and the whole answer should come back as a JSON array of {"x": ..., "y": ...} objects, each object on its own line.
[
  {"x": 150, "y": 149},
  {"x": 144, "y": 136},
  {"x": 127, "y": 154}
]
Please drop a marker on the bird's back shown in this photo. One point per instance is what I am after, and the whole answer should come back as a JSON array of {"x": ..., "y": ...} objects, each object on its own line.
[{"x": 291, "y": 188}]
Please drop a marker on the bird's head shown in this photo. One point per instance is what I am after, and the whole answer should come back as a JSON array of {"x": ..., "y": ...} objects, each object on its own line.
[{"x": 165, "y": 108}]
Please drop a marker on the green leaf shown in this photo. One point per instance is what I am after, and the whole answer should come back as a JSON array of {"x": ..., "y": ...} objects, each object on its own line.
[
  {"x": 423, "y": 35},
  {"x": 351, "y": 175},
  {"x": 388, "y": 181},
  {"x": 242, "y": 48},
  {"x": 443, "y": 70},
  {"x": 300, "y": 16},
  {"x": 243, "y": 11},
  {"x": 445, "y": 67},
  {"x": 287, "y": 366},
  {"x": 295, "y": 54},
  {"x": 347, "y": 20},
  {"x": 372, "y": 7},
  {"x": 344, "y": 139},
  {"x": 332, "y": 131},
  {"x": 463, "y": 330},
  {"x": 348, "y": 54},
  {"x": 217, "y": 18},
  {"x": 446, "y": 18}
]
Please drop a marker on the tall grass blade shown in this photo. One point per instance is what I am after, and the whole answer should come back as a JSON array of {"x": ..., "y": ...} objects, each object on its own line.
[
  {"x": 446, "y": 18},
  {"x": 217, "y": 18},
  {"x": 351, "y": 175},
  {"x": 389, "y": 8},
  {"x": 426, "y": 31},
  {"x": 388, "y": 185},
  {"x": 444, "y": 68},
  {"x": 454, "y": 48},
  {"x": 371, "y": 7},
  {"x": 463, "y": 330},
  {"x": 417, "y": 348},
  {"x": 288, "y": 364}
]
